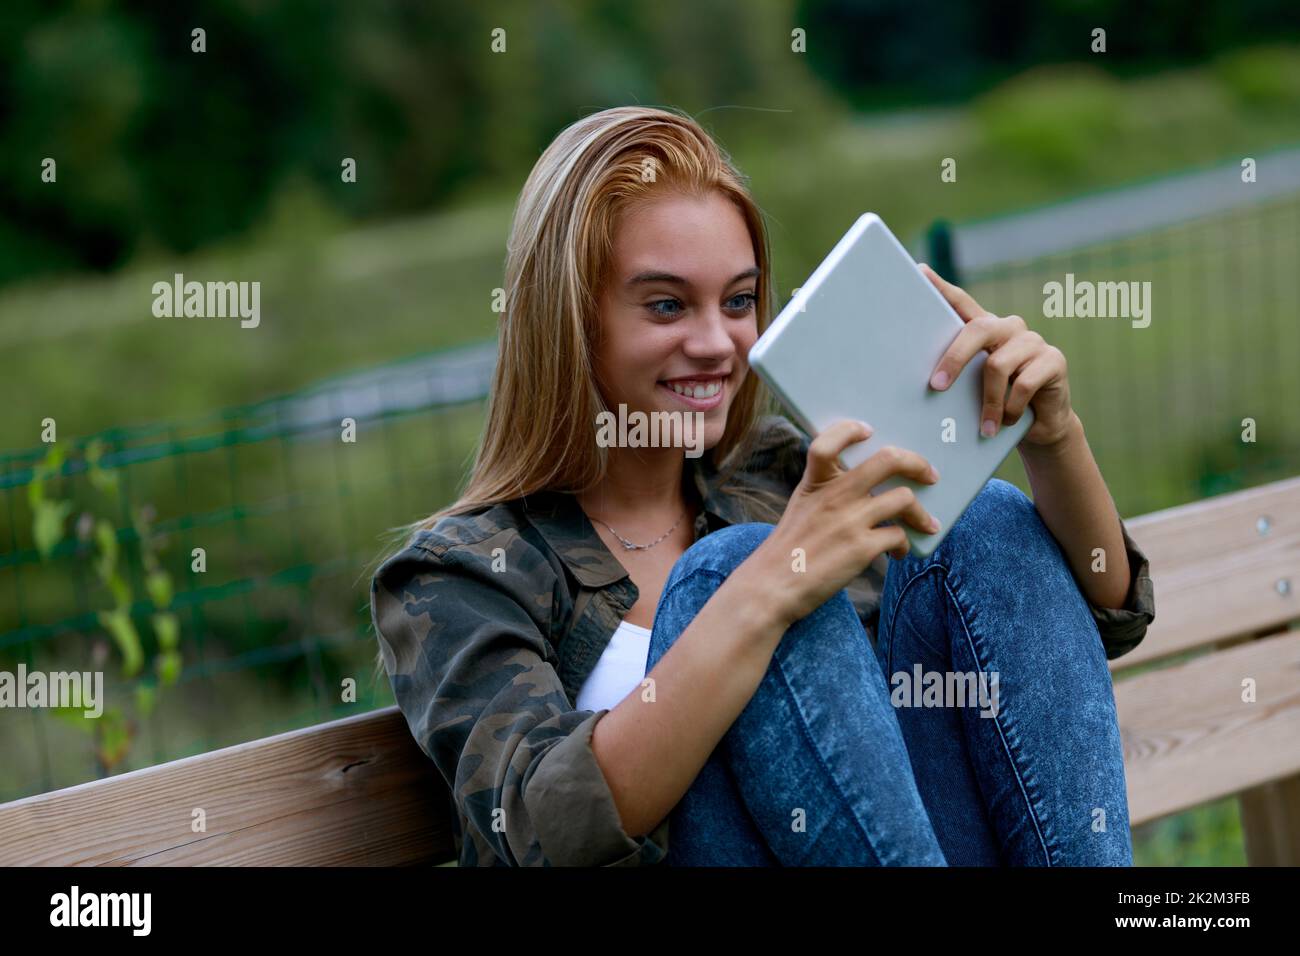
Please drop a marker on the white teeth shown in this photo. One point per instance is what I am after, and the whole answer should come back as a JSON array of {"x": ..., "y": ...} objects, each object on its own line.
[{"x": 706, "y": 390}]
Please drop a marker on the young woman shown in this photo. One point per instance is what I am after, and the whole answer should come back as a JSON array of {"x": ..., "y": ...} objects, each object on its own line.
[{"x": 596, "y": 645}]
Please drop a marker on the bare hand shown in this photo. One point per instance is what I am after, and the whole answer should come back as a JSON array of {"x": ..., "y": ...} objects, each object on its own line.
[
  {"x": 1035, "y": 370},
  {"x": 835, "y": 523}
]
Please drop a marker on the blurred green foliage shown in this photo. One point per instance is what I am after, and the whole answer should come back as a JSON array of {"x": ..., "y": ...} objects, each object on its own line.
[
  {"x": 1053, "y": 116},
  {"x": 900, "y": 52},
  {"x": 159, "y": 147},
  {"x": 114, "y": 567},
  {"x": 1267, "y": 76}
]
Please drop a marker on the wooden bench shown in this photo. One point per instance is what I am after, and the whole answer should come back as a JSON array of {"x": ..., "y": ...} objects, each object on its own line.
[{"x": 358, "y": 791}]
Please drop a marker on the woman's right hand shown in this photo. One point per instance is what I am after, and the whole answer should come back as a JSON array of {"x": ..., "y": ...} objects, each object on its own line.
[{"x": 833, "y": 517}]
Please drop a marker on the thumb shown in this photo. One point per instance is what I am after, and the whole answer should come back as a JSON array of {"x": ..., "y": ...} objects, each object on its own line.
[{"x": 824, "y": 452}]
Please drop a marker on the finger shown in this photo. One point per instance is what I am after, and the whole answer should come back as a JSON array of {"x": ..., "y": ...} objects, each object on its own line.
[
  {"x": 1006, "y": 361},
  {"x": 824, "y": 451},
  {"x": 900, "y": 504},
  {"x": 1048, "y": 365},
  {"x": 961, "y": 300},
  {"x": 987, "y": 331},
  {"x": 891, "y": 540},
  {"x": 891, "y": 461}
]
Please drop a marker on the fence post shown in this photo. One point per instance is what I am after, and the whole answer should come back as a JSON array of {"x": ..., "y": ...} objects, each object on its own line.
[{"x": 938, "y": 240}]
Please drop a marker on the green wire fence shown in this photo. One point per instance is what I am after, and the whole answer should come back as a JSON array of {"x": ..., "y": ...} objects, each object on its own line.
[
  {"x": 290, "y": 502},
  {"x": 1205, "y": 398}
]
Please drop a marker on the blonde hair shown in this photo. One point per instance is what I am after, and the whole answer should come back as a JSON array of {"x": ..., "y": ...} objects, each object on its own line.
[{"x": 544, "y": 398}]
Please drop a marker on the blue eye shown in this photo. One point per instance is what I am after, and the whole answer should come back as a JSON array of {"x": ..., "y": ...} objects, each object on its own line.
[
  {"x": 652, "y": 306},
  {"x": 748, "y": 301}
]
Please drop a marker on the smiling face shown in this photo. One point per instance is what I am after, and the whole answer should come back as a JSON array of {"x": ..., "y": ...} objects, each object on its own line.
[{"x": 678, "y": 312}]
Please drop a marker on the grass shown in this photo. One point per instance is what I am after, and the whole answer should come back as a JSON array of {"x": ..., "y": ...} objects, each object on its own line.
[{"x": 1204, "y": 836}]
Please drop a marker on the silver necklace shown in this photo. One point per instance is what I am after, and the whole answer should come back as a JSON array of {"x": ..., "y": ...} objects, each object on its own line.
[{"x": 630, "y": 546}]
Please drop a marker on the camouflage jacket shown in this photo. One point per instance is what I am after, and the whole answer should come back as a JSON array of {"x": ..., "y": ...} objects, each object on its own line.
[{"x": 490, "y": 623}]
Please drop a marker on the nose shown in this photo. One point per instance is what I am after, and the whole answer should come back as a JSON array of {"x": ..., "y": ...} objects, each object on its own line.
[{"x": 710, "y": 337}]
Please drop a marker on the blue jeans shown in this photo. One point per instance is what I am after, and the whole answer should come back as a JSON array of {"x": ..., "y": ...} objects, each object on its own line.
[{"x": 831, "y": 763}]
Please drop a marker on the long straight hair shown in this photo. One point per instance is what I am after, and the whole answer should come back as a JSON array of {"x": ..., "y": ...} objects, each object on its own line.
[{"x": 544, "y": 399}]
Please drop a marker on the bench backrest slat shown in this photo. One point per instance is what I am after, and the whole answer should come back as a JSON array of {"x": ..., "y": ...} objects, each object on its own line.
[
  {"x": 1215, "y": 574},
  {"x": 1190, "y": 737},
  {"x": 354, "y": 791}
]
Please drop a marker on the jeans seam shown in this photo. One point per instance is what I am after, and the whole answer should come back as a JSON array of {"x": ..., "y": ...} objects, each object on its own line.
[
  {"x": 812, "y": 743},
  {"x": 936, "y": 564},
  {"x": 1011, "y": 750}
]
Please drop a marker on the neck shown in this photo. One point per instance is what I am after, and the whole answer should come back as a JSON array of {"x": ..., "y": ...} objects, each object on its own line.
[{"x": 639, "y": 483}]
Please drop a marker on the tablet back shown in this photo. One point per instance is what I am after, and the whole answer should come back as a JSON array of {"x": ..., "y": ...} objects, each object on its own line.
[{"x": 860, "y": 340}]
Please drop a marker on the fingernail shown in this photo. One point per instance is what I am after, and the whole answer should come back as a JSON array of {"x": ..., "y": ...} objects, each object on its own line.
[
  {"x": 940, "y": 379},
  {"x": 988, "y": 428},
  {"x": 934, "y": 523},
  {"x": 934, "y": 473}
]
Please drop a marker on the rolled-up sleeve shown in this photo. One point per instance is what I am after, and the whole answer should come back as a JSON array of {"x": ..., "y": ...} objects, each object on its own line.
[
  {"x": 476, "y": 678},
  {"x": 574, "y": 809},
  {"x": 1123, "y": 628}
]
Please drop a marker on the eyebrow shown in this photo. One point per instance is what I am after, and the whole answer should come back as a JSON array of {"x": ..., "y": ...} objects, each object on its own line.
[{"x": 653, "y": 276}]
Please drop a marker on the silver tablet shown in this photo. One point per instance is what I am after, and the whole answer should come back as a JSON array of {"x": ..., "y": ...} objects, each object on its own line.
[{"x": 860, "y": 340}]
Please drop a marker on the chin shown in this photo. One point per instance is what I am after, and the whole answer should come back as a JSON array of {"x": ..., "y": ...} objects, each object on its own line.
[{"x": 713, "y": 432}]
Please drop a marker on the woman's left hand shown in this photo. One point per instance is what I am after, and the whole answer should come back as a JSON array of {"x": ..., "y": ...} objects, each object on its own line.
[{"x": 1035, "y": 370}]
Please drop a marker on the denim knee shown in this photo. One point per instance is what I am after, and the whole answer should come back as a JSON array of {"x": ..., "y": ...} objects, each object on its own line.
[
  {"x": 715, "y": 556},
  {"x": 1002, "y": 523},
  {"x": 721, "y": 551}
]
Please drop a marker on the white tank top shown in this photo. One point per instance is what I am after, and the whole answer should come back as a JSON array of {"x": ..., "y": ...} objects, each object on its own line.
[{"x": 619, "y": 671}]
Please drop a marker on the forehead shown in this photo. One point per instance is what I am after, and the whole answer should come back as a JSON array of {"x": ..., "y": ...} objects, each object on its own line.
[{"x": 701, "y": 238}]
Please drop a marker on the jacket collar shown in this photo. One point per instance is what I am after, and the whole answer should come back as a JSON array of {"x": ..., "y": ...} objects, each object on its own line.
[{"x": 562, "y": 523}]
